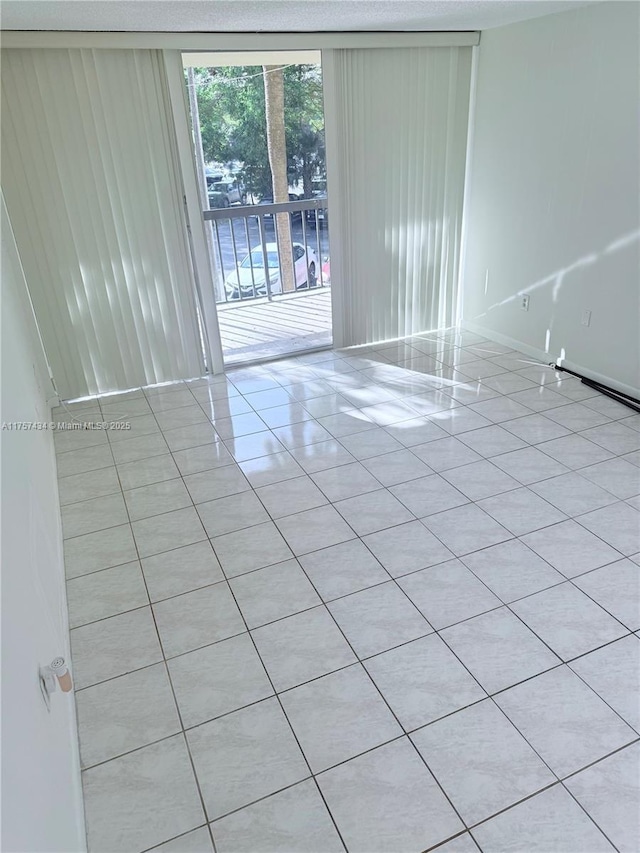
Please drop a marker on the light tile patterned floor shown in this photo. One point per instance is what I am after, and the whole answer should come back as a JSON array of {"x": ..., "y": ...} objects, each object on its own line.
[{"x": 361, "y": 600}]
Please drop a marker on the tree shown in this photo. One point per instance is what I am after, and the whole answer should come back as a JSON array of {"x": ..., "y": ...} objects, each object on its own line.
[
  {"x": 277, "y": 149},
  {"x": 231, "y": 103}
]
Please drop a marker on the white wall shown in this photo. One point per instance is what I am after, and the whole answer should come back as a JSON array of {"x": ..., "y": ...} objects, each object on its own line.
[
  {"x": 553, "y": 195},
  {"x": 41, "y": 795}
]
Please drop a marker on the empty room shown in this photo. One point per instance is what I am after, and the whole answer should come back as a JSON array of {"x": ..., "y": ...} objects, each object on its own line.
[{"x": 320, "y": 340}]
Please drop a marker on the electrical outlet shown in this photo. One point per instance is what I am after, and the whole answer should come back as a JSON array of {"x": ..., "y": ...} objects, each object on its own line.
[
  {"x": 524, "y": 302},
  {"x": 586, "y": 318}
]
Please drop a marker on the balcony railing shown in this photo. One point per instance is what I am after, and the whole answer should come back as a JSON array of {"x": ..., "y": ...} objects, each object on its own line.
[{"x": 249, "y": 244}]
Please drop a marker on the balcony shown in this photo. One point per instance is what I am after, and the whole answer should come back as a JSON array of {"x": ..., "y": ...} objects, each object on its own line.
[{"x": 272, "y": 278}]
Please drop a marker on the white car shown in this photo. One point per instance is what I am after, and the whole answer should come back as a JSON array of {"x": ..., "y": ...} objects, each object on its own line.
[{"x": 250, "y": 274}]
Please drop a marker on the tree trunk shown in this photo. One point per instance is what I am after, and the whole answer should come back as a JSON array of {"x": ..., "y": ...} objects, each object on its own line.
[{"x": 277, "y": 147}]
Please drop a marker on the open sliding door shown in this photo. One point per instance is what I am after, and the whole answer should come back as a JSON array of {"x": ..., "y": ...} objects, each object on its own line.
[{"x": 396, "y": 124}]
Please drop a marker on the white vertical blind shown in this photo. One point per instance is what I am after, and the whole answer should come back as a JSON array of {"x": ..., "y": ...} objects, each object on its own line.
[
  {"x": 91, "y": 184},
  {"x": 396, "y": 143}
]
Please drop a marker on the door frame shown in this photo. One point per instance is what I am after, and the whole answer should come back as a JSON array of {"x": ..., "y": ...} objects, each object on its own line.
[{"x": 203, "y": 282}]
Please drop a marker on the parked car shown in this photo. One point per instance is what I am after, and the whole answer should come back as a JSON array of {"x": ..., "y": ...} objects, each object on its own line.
[
  {"x": 216, "y": 198},
  {"x": 251, "y": 273},
  {"x": 226, "y": 191},
  {"x": 319, "y": 190},
  {"x": 295, "y": 214}
]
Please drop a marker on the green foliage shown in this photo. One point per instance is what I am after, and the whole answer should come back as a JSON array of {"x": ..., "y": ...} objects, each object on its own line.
[{"x": 232, "y": 122}]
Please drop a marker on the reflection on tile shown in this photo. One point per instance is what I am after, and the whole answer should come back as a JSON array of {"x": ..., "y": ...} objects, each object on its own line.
[
  {"x": 239, "y": 425},
  {"x": 252, "y": 446},
  {"x": 392, "y": 442},
  {"x": 417, "y": 431},
  {"x": 319, "y": 457},
  {"x": 371, "y": 443},
  {"x": 302, "y": 434},
  {"x": 203, "y": 457},
  {"x": 347, "y": 481},
  {"x": 271, "y": 469},
  {"x": 220, "y": 483},
  {"x": 291, "y": 496},
  {"x": 185, "y": 437}
]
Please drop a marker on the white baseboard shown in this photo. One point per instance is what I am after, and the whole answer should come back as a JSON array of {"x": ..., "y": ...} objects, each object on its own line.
[{"x": 548, "y": 358}]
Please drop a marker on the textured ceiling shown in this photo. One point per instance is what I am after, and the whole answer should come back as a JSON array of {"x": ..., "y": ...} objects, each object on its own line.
[{"x": 271, "y": 15}]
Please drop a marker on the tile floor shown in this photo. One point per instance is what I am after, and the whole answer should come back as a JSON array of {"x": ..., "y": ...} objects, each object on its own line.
[{"x": 374, "y": 600}]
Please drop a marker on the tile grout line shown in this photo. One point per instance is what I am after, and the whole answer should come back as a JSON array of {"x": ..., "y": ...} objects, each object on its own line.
[{"x": 359, "y": 660}]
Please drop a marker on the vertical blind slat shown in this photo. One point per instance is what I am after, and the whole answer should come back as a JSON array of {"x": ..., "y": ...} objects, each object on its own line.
[
  {"x": 92, "y": 188},
  {"x": 402, "y": 117}
]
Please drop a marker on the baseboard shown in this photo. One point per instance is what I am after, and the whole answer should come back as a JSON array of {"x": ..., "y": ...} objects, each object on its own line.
[{"x": 548, "y": 358}]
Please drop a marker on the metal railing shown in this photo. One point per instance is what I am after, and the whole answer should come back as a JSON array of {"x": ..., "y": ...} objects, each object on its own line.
[{"x": 249, "y": 241}]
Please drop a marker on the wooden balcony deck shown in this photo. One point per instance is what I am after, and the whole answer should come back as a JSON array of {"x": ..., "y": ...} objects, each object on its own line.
[{"x": 262, "y": 329}]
